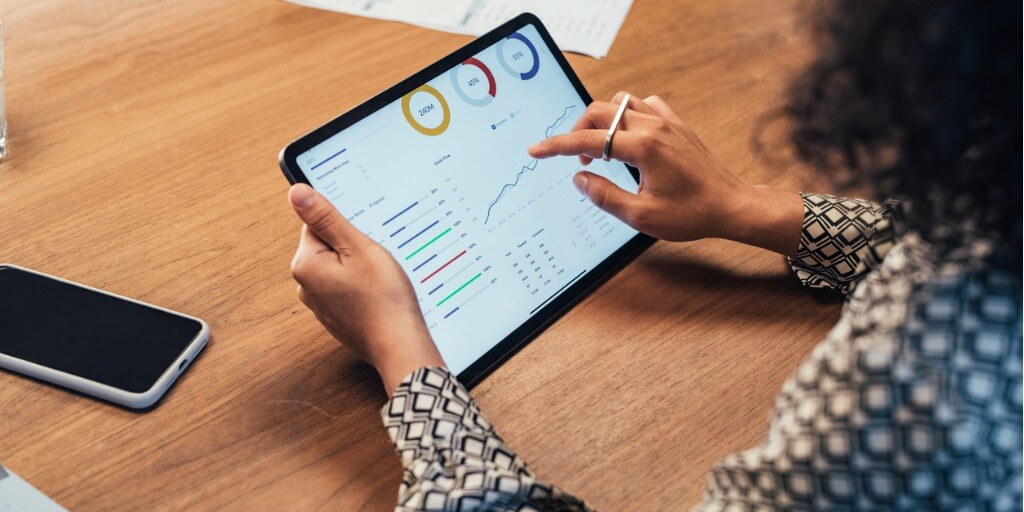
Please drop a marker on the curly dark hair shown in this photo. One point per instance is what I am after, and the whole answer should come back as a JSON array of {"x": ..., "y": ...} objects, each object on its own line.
[{"x": 920, "y": 100}]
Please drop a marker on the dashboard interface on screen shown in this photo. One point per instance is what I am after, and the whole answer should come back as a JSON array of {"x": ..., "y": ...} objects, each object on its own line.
[{"x": 442, "y": 179}]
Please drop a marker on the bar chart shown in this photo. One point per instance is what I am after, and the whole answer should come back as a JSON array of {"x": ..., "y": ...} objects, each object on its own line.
[{"x": 430, "y": 240}]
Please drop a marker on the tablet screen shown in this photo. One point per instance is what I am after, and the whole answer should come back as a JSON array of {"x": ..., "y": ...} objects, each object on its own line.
[{"x": 442, "y": 179}]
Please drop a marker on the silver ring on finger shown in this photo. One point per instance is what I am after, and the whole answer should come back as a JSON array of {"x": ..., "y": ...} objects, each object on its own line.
[{"x": 606, "y": 154}]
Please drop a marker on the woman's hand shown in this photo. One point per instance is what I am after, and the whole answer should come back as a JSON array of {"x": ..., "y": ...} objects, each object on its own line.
[
  {"x": 685, "y": 192},
  {"x": 358, "y": 292}
]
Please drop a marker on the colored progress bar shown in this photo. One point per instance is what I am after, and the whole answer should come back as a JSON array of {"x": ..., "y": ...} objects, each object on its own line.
[
  {"x": 424, "y": 246},
  {"x": 395, "y": 216},
  {"x": 442, "y": 267},
  {"x": 324, "y": 161},
  {"x": 428, "y": 260},
  {"x": 414, "y": 237},
  {"x": 459, "y": 289}
]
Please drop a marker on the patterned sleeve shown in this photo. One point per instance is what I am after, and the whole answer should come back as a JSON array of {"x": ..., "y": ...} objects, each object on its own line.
[
  {"x": 452, "y": 457},
  {"x": 912, "y": 402},
  {"x": 842, "y": 240}
]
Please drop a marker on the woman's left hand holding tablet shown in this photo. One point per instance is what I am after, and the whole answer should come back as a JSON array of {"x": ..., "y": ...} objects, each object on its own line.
[{"x": 358, "y": 291}]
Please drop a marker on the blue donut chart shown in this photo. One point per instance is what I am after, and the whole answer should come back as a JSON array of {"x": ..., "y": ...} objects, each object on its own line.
[{"x": 532, "y": 72}]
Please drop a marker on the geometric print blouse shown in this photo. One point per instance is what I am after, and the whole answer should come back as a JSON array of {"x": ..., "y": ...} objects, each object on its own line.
[{"x": 912, "y": 401}]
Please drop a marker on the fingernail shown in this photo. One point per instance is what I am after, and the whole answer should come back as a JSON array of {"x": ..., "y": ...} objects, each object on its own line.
[
  {"x": 303, "y": 197},
  {"x": 580, "y": 180},
  {"x": 532, "y": 149}
]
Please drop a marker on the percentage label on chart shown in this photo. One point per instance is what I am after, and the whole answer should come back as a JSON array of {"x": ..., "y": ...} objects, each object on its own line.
[
  {"x": 474, "y": 82},
  {"x": 518, "y": 56}
]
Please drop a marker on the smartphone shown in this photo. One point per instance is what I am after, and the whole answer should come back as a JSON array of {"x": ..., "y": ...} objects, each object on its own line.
[{"x": 91, "y": 341}]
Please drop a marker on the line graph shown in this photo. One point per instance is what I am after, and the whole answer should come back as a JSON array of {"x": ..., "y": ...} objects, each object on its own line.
[
  {"x": 530, "y": 166},
  {"x": 565, "y": 113},
  {"x": 508, "y": 186}
]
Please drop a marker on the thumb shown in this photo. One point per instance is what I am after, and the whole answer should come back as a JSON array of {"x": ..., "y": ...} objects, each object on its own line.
[
  {"x": 321, "y": 217},
  {"x": 607, "y": 196}
]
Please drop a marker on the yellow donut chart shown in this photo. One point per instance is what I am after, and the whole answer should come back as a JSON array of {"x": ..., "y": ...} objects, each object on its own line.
[{"x": 446, "y": 115}]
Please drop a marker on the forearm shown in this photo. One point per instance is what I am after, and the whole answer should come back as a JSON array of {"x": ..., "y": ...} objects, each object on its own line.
[
  {"x": 398, "y": 345},
  {"x": 397, "y": 366},
  {"x": 765, "y": 217}
]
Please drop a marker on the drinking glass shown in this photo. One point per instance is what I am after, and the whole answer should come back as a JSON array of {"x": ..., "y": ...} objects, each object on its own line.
[{"x": 3, "y": 101}]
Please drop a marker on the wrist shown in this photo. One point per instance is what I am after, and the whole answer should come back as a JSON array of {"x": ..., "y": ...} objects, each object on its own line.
[
  {"x": 402, "y": 355},
  {"x": 765, "y": 217}
]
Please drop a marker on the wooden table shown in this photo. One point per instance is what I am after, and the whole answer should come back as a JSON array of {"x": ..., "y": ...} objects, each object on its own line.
[{"x": 144, "y": 144}]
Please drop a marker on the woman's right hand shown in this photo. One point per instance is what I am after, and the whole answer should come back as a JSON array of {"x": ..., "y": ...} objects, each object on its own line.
[{"x": 685, "y": 192}]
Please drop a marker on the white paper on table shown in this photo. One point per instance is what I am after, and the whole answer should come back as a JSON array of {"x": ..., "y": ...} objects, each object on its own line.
[
  {"x": 17, "y": 495},
  {"x": 583, "y": 26}
]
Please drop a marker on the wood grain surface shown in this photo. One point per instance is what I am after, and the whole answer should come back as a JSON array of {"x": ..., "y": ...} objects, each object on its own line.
[{"x": 144, "y": 138}]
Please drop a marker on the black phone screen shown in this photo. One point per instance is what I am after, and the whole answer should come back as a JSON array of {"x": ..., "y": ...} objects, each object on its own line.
[{"x": 95, "y": 336}]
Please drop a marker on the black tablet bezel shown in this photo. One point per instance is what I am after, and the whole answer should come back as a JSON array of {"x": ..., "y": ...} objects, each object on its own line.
[{"x": 579, "y": 289}]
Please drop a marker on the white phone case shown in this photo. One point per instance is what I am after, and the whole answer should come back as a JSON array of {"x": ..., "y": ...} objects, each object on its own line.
[{"x": 103, "y": 391}]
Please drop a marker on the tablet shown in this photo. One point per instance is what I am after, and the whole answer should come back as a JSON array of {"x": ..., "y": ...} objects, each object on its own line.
[{"x": 497, "y": 244}]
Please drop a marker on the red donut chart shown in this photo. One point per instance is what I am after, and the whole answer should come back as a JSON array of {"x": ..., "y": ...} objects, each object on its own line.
[{"x": 492, "y": 85}]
